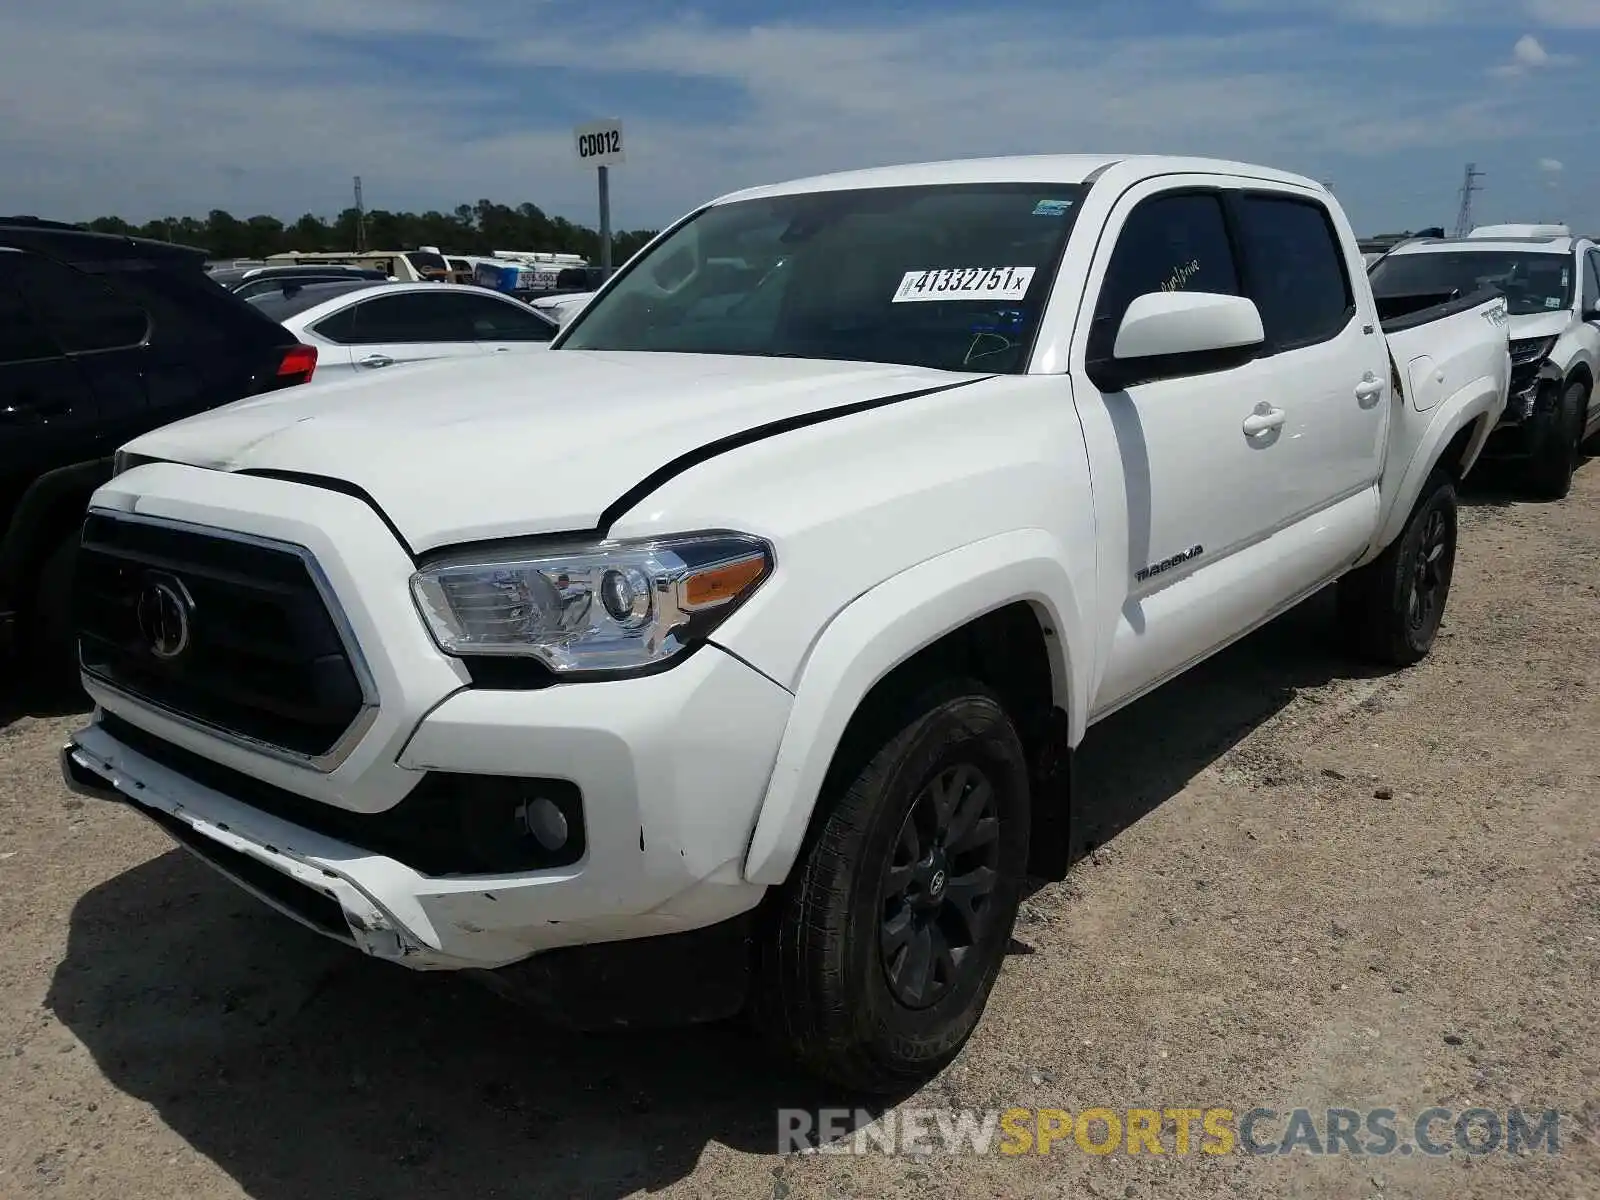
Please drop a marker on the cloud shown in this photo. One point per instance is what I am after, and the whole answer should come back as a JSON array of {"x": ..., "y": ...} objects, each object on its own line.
[
  {"x": 1552, "y": 166},
  {"x": 1528, "y": 55},
  {"x": 181, "y": 106}
]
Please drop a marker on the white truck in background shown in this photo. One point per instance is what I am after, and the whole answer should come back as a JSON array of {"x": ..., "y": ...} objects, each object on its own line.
[
  {"x": 1551, "y": 282},
  {"x": 736, "y": 655}
]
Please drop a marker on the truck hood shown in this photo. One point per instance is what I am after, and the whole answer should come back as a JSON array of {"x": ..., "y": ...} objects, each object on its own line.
[
  {"x": 510, "y": 446},
  {"x": 1539, "y": 325}
]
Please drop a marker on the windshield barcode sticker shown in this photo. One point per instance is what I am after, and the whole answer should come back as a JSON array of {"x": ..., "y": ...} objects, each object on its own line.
[{"x": 964, "y": 283}]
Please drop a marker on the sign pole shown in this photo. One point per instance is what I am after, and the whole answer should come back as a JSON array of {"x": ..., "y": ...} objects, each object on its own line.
[
  {"x": 599, "y": 145},
  {"x": 605, "y": 221}
]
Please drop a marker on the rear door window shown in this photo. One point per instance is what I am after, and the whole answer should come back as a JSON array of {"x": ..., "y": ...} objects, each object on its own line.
[
  {"x": 80, "y": 312},
  {"x": 1297, "y": 270}
]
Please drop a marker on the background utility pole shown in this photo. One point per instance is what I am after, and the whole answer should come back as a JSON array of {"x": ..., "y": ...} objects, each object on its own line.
[
  {"x": 1469, "y": 185},
  {"x": 361, "y": 220}
]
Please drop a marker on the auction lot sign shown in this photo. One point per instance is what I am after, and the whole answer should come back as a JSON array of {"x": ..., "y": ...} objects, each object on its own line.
[{"x": 599, "y": 143}]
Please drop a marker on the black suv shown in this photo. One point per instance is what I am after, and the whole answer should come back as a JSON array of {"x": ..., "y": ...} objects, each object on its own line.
[{"x": 102, "y": 338}]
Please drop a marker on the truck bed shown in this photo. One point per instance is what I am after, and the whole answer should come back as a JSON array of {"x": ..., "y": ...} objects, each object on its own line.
[
  {"x": 1399, "y": 313},
  {"x": 1452, "y": 364}
]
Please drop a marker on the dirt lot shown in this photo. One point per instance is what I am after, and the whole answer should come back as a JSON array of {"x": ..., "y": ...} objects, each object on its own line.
[{"x": 1314, "y": 887}]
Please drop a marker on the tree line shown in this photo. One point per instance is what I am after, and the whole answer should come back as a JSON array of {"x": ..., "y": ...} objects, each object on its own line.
[{"x": 479, "y": 228}]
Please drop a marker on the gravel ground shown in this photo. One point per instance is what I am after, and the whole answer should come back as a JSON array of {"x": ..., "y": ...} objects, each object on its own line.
[{"x": 1305, "y": 886}]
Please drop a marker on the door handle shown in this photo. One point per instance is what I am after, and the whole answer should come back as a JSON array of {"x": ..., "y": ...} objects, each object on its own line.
[
  {"x": 1370, "y": 388},
  {"x": 377, "y": 360},
  {"x": 1264, "y": 420}
]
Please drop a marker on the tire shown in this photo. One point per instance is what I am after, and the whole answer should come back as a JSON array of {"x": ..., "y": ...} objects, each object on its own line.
[
  {"x": 874, "y": 896},
  {"x": 1390, "y": 609},
  {"x": 1592, "y": 445},
  {"x": 1556, "y": 452},
  {"x": 52, "y": 641}
]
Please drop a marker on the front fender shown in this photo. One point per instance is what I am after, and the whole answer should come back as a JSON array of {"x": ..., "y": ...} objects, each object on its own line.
[
  {"x": 1480, "y": 402},
  {"x": 883, "y": 628}
]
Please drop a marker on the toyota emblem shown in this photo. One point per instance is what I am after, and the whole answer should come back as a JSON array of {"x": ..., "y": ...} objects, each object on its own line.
[{"x": 164, "y": 612}]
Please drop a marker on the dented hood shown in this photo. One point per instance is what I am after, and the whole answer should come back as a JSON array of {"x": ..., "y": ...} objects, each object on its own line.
[
  {"x": 1539, "y": 325},
  {"x": 517, "y": 445}
]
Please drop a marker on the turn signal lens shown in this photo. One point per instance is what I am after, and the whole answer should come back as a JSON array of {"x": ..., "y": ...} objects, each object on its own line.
[{"x": 719, "y": 584}]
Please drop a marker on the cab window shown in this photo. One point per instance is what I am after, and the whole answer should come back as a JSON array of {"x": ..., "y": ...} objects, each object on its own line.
[
  {"x": 1297, "y": 270},
  {"x": 1174, "y": 242}
]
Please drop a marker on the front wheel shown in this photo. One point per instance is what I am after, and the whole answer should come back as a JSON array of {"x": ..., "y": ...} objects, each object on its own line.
[
  {"x": 1390, "y": 609},
  {"x": 1555, "y": 453},
  {"x": 886, "y": 940}
]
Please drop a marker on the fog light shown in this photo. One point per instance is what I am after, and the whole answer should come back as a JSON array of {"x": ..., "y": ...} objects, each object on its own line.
[{"x": 545, "y": 821}]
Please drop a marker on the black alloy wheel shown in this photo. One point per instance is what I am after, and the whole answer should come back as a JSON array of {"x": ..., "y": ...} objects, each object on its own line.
[
  {"x": 938, "y": 884},
  {"x": 1430, "y": 578}
]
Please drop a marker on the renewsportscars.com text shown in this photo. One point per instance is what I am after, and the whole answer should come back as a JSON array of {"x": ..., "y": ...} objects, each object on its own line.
[{"x": 1373, "y": 1132}]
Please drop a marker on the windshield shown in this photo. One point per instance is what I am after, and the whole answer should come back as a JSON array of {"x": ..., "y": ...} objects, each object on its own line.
[
  {"x": 952, "y": 277},
  {"x": 428, "y": 264},
  {"x": 1532, "y": 281},
  {"x": 289, "y": 298}
]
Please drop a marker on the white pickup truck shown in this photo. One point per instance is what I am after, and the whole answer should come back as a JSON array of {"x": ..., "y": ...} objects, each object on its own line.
[{"x": 735, "y": 656}]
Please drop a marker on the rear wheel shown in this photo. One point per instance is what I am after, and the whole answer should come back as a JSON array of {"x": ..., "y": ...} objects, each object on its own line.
[
  {"x": 1555, "y": 451},
  {"x": 1390, "y": 609},
  {"x": 888, "y": 936}
]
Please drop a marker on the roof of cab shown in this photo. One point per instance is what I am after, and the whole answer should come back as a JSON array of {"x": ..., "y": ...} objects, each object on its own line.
[{"x": 1034, "y": 168}]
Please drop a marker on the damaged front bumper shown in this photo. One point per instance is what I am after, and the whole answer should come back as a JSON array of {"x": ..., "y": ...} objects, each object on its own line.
[
  {"x": 1530, "y": 405},
  {"x": 668, "y": 801},
  {"x": 672, "y": 976},
  {"x": 316, "y": 884}
]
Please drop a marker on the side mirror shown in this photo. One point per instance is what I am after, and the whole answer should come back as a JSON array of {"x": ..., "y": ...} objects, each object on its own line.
[
  {"x": 1592, "y": 313},
  {"x": 1160, "y": 324},
  {"x": 1168, "y": 334}
]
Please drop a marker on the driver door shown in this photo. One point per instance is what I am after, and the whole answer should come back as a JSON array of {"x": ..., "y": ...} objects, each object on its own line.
[{"x": 1199, "y": 494}]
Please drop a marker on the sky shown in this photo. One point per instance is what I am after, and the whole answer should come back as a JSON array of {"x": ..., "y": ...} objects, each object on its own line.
[{"x": 177, "y": 107}]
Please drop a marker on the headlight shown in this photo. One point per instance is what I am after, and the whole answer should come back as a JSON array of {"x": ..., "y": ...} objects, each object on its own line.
[
  {"x": 1532, "y": 349},
  {"x": 612, "y": 606}
]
